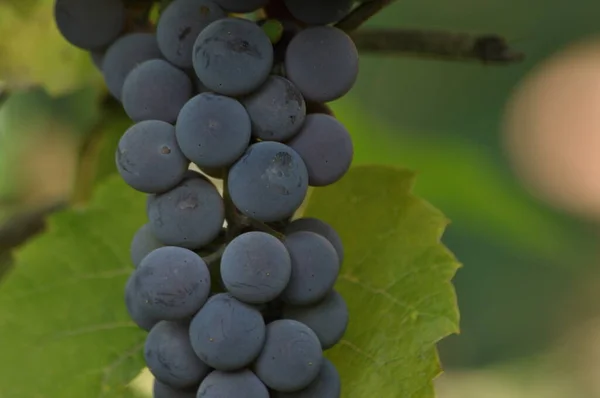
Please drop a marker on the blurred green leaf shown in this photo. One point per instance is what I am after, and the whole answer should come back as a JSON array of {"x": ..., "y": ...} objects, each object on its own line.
[
  {"x": 34, "y": 52},
  {"x": 465, "y": 181},
  {"x": 395, "y": 279},
  {"x": 64, "y": 329}
]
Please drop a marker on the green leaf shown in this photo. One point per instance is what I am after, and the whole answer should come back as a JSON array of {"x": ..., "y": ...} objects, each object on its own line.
[
  {"x": 396, "y": 279},
  {"x": 34, "y": 52},
  {"x": 64, "y": 329}
]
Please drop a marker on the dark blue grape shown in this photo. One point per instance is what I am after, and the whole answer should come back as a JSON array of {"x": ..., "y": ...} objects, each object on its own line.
[
  {"x": 255, "y": 267},
  {"x": 155, "y": 90},
  {"x": 143, "y": 242},
  {"x": 240, "y": 384},
  {"x": 162, "y": 390},
  {"x": 233, "y": 56},
  {"x": 170, "y": 358},
  {"x": 319, "y": 12},
  {"x": 315, "y": 267},
  {"x": 322, "y": 62},
  {"x": 190, "y": 215},
  {"x": 319, "y": 227},
  {"x": 269, "y": 182},
  {"x": 326, "y": 148},
  {"x": 179, "y": 25},
  {"x": 327, "y": 318},
  {"x": 213, "y": 130},
  {"x": 148, "y": 157},
  {"x": 124, "y": 55},
  {"x": 136, "y": 312},
  {"x": 277, "y": 110},
  {"x": 90, "y": 24},
  {"x": 171, "y": 283},
  {"x": 326, "y": 385},
  {"x": 226, "y": 333},
  {"x": 291, "y": 357},
  {"x": 242, "y": 6}
]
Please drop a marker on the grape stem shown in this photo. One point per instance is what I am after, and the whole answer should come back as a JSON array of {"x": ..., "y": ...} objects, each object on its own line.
[
  {"x": 362, "y": 14},
  {"x": 449, "y": 46}
]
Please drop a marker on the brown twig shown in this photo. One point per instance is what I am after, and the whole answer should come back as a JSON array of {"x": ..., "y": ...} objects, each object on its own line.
[
  {"x": 362, "y": 14},
  {"x": 437, "y": 44}
]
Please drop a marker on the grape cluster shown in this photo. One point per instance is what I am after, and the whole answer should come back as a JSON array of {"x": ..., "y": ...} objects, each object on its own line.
[{"x": 238, "y": 299}]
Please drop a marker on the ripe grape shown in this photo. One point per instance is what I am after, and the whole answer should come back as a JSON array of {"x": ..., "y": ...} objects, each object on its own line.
[
  {"x": 226, "y": 333},
  {"x": 155, "y": 90},
  {"x": 319, "y": 227},
  {"x": 269, "y": 182},
  {"x": 291, "y": 357},
  {"x": 179, "y": 26},
  {"x": 319, "y": 12},
  {"x": 162, "y": 390},
  {"x": 327, "y": 318},
  {"x": 322, "y": 62},
  {"x": 135, "y": 311},
  {"x": 240, "y": 384},
  {"x": 277, "y": 110},
  {"x": 90, "y": 24},
  {"x": 170, "y": 358},
  {"x": 124, "y": 55},
  {"x": 326, "y": 385},
  {"x": 148, "y": 157},
  {"x": 315, "y": 267},
  {"x": 213, "y": 130},
  {"x": 255, "y": 267},
  {"x": 233, "y": 56},
  {"x": 171, "y": 283},
  {"x": 142, "y": 244},
  {"x": 190, "y": 215},
  {"x": 326, "y": 148}
]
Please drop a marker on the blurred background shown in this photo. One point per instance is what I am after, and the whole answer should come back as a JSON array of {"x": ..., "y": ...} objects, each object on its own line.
[{"x": 511, "y": 154}]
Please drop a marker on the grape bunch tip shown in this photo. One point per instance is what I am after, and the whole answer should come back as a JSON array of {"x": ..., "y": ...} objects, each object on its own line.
[{"x": 237, "y": 296}]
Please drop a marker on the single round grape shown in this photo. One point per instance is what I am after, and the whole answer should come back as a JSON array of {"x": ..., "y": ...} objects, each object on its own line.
[
  {"x": 326, "y": 148},
  {"x": 277, "y": 110},
  {"x": 179, "y": 25},
  {"x": 319, "y": 227},
  {"x": 291, "y": 357},
  {"x": 226, "y": 333},
  {"x": 90, "y": 24},
  {"x": 213, "y": 130},
  {"x": 240, "y": 384},
  {"x": 157, "y": 90},
  {"x": 233, "y": 56},
  {"x": 326, "y": 385},
  {"x": 148, "y": 157},
  {"x": 269, "y": 182},
  {"x": 136, "y": 312},
  {"x": 319, "y": 12},
  {"x": 255, "y": 267},
  {"x": 322, "y": 62},
  {"x": 124, "y": 55},
  {"x": 142, "y": 244},
  {"x": 242, "y": 6},
  {"x": 327, "y": 318},
  {"x": 162, "y": 390},
  {"x": 170, "y": 358},
  {"x": 190, "y": 215},
  {"x": 171, "y": 283},
  {"x": 315, "y": 267}
]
